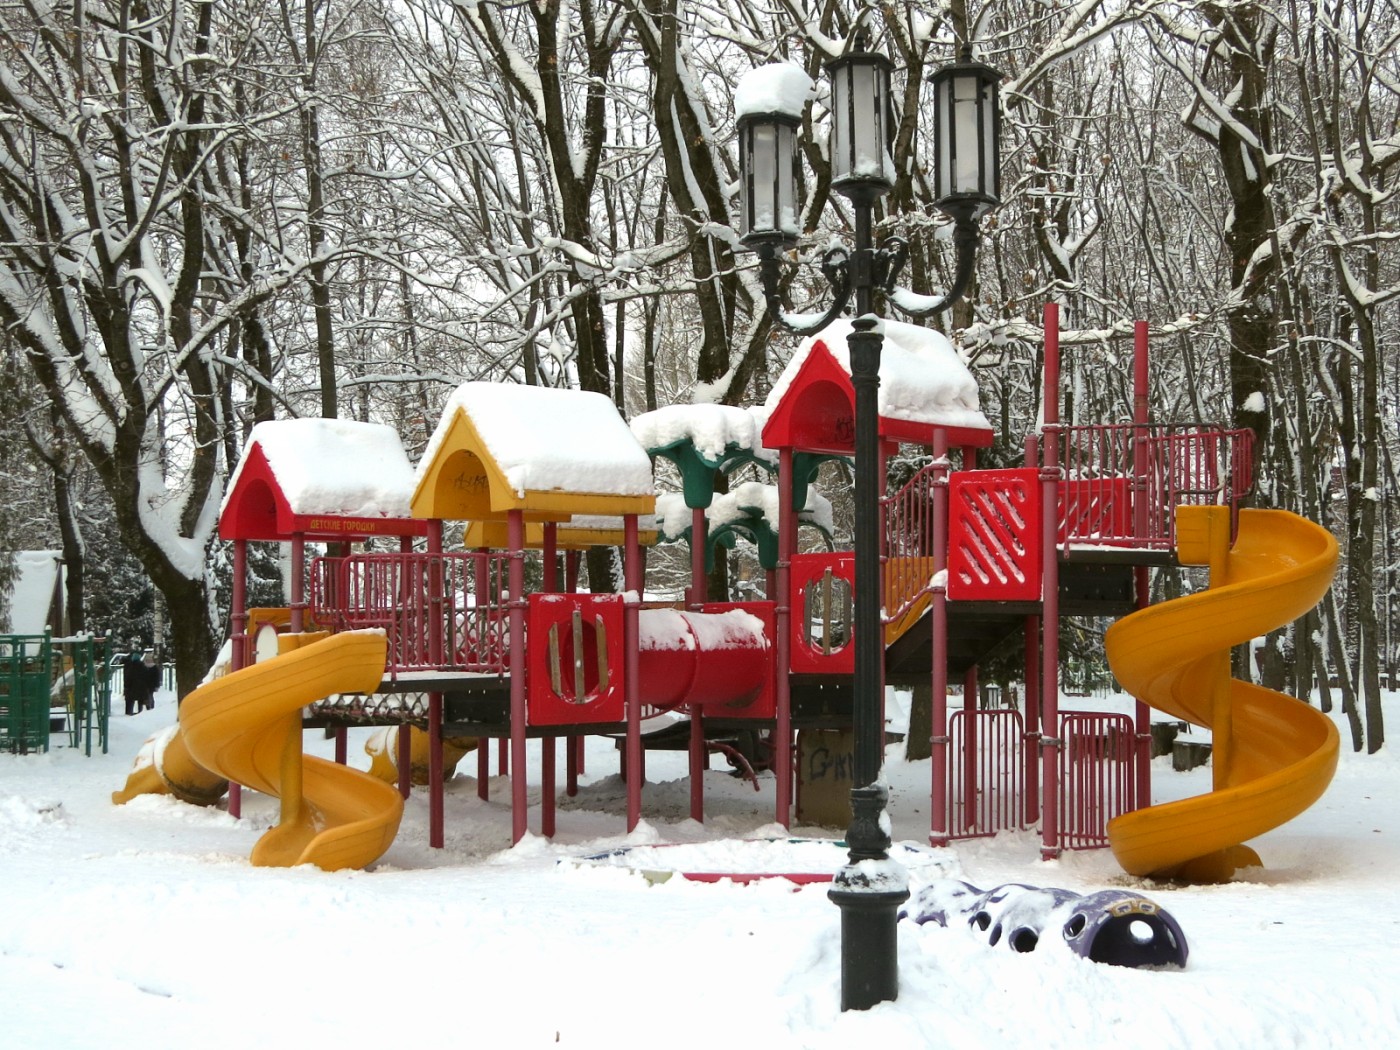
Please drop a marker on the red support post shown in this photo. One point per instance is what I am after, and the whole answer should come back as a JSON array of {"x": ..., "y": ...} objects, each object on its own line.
[
  {"x": 1034, "y": 730},
  {"x": 547, "y": 761},
  {"x": 550, "y": 554},
  {"x": 404, "y": 757},
  {"x": 940, "y": 803},
  {"x": 782, "y": 731},
  {"x": 436, "y": 778},
  {"x": 238, "y": 655},
  {"x": 298, "y": 596},
  {"x": 695, "y": 598},
  {"x": 971, "y": 744},
  {"x": 1142, "y": 713},
  {"x": 1050, "y": 591},
  {"x": 632, "y": 581},
  {"x": 519, "y": 814},
  {"x": 698, "y": 536}
]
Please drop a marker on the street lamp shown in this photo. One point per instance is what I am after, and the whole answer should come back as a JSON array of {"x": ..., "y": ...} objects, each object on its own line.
[{"x": 770, "y": 101}]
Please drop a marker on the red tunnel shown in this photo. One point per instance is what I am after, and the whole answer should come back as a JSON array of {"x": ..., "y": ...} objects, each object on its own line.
[{"x": 721, "y": 661}]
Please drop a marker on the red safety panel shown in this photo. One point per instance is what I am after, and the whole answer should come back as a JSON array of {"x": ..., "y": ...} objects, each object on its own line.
[
  {"x": 994, "y": 542},
  {"x": 575, "y": 660},
  {"x": 821, "y": 613}
]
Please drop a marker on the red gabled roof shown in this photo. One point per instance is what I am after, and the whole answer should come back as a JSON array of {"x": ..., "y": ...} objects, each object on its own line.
[
  {"x": 258, "y": 509},
  {"x": 816, "y": 413}
]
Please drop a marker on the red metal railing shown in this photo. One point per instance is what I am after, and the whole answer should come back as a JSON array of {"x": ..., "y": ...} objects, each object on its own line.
[
  {"x": 440, "y": 611},
  {"x": 985, "y": 795},
  {"x": 1123, "y": 482},
  {"x": 908, "y": 552},
  {"x": 1096, "y": 776}
]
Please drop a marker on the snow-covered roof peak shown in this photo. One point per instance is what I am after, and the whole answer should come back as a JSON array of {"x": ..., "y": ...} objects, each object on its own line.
[
  {"x": 922, "y": 378},
  {"x": 335, "y": 467},
  {"x": 547, "y": 439}
]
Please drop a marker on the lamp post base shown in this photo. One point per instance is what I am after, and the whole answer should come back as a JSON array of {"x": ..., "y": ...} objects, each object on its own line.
[{"x": 869, "y": 891}]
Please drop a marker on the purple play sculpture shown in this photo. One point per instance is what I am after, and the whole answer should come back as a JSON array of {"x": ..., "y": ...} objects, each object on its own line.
[{"x": 1116, "y": 927}]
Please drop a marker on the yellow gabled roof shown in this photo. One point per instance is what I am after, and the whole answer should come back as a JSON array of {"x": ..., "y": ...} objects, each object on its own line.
[{"x": 550, "y": 453}]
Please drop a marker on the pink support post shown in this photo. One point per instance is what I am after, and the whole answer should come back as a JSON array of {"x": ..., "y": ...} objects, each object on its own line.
[
  {"x": 519, "y": 814},
  {"x": 436, "y": 786},
  {"x": 939, "y": 832},
  {"x": 1033, "y": 733},
  {"x": 342, "y": 755},
  {"x": 631, "y": 573},
  {"x": 695, "y": 598},
  {"x": 482, "y": 588},
  {"x": 782, "y": 732},
  {"x": 697, "y": 756},
  {"x": 970, "y": 746},
  {"x": 436, "y": 777},
  {"x": 550, "y": 554},
  {"x": 238, "y": 657},
  {"x": 882, "y": 530},
  {"x": 404, "y": 758},
  {"x": 483, "y": 770},
  {"x": 1034, "y": 729},
  {"x": 574, "y": 763},
  {"x": 698, "y": 537},
  {"x": 550, "y": 583},
  {"x": 1142, "y": 714},
  {"x": 571, "y": 770},
  {"x": 298, "y": 596},
  {"x": 1050, "y": 592},
  {"x": 547, "y": 760}
]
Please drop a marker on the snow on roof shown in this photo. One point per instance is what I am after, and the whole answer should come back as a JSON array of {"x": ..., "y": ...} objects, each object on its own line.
[
  {"x": 711, "y": 428},
  {"x": 779, "y": 87},
  {"x": 922, "y": 378},
  {"x": 673, "y": 517},
  {"x": 37, "y": 574},
  {"x": 339, "y": 467},
  {"x": 546, "y": 439}
]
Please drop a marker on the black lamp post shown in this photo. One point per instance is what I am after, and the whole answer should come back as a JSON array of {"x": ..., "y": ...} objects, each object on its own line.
[{"x": 871, "y": 887}]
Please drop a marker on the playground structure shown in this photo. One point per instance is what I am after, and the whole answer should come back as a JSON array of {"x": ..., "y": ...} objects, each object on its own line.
[
  {"x": 53, "y": 686},
  {"x": 973, "y": 560}
]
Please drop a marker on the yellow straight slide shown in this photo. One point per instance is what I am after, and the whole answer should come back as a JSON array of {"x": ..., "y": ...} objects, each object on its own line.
[
  {"x": 246, "y": 726},
  {"x": 1273, "y": 755}
]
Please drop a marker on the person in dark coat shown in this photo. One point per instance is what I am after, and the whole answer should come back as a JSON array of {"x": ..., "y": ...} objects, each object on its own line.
[
  {"x": 151, "y": 672},
  {"x": 134, "y": 679}
]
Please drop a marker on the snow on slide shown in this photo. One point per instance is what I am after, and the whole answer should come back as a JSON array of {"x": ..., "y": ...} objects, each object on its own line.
[{"x": 1273, "y": 755}]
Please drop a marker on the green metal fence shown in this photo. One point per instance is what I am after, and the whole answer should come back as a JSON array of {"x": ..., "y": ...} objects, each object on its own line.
[
  {"x": 25, "y": 677},
  {"x": 53, "y": 687}
]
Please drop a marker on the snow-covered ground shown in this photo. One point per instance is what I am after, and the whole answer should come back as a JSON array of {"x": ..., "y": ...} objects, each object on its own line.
[{"x": 145, "y": 926}]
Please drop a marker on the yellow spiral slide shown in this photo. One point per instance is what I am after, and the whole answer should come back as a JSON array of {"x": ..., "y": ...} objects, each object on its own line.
[
  {"x": 1273, "y": 755},
  {"x": 246, "y": 727}
]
